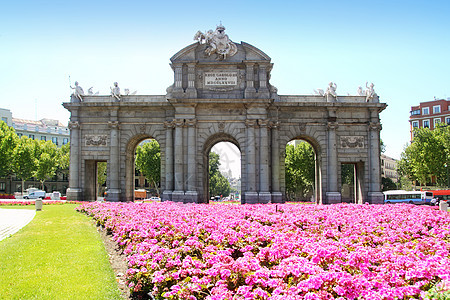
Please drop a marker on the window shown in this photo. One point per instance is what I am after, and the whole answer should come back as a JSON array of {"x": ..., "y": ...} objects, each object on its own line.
[
  {"x": 2, "y": 186},
  {"x": 65, "y": 141},
  {"x": 425, "y": 111},
  {"x": 426, "y": 123},
  {"x": 31, "y": 136},
  {"x": 5, "y": 119},
  {"x": 436, "y": 122},
  {"x": 436, "y": 109},
  {"x": 415, "y": 124},
  {"x": 43, "y": 138},
  {"x": 415, "y": 112},
  {"x": 19, "y": 135},
  {"x": 55, "y": 140},
  {"x": 447, "y": 120}
]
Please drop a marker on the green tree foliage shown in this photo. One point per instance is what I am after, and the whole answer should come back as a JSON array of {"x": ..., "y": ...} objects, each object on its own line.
[
  {"x": 388, "y": 184},
  {"x": 299, "y": 165},
  {"x": 148, "y": 161},
  {"x": 101, "y": 176},
  {"x": 47, "y": 160},
  {"x": 426, "y": 157},
  {"x": 24, "y": 159},
  {"x": 218, "y": 184},
  {"x": 64, "y": 159},
  {"x": 8, "y": 141}
]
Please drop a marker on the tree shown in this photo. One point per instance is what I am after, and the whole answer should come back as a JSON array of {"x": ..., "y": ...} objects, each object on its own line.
[
  {"x": 299, "y": 166},
  {"x": 24, "y": 159},
  {"x": 425, "y": 158},
  {"x": 8, "y": 141},
  {"x": 218, "y": 184},
  {"x": 101, "y": 176},
  {"x": 47, "y": 160},
  {"x": 148, "y": 161},
  {"x": 388, "y": 184},
  {"x": 64, "y": 159}
]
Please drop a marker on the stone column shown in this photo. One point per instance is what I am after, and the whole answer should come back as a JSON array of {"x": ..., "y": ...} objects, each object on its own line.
[
  {"x": 178, "y": 193},
  {"x": 375, "y": 195},
  {"x": 114, "y": 160},
  {"x": 264, "y": 193},
  {"x": 74, "y": 192},
  {"x": 178, "y": 86},
  {"x": 250, "y": 90},
  {"x": 191, "y": 193},
  {"x": 277, "y": 197},
  {"x": 332, "y": 194},
  {"x": 191, "y": 90},
  {"x": 251, "y": 196},
  {"x": 167, "y": 193}
]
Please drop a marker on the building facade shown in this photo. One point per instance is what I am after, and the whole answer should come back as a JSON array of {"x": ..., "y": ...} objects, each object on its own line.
[
  {"x": 46, "y": 130},
  {"x": 429, "y": 114},
  {"x": 222, "y": 93},
  {"x": 389, "y": 167}
]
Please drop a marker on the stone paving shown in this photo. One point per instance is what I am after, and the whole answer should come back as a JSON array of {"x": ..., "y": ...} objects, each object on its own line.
[{"x": 12, "y": 220}]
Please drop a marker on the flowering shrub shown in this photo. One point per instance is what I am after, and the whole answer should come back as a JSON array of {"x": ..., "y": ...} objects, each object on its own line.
[
  {"x": 32, "y": 202},
  {"x": 342, "y": 251},
  {"x": 6, "y": 196}
]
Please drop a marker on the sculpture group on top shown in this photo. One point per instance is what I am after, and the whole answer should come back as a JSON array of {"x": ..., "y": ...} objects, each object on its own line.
[
  {"x": 217, "y": 43},
  {"x": 330, "y": 91},
  {"x": 78, "y": 92}
]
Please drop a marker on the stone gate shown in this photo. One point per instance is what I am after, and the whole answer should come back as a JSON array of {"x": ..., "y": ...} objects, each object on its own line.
[{"x": 222, "y": 92}]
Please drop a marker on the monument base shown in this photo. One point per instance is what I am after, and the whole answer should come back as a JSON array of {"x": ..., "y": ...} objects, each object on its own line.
[
  {"x": 264, "y": 197},
  {"x": 113, "y": 195},
  {"x": 191, "y": 197},
  {"x": 74, "y": 194},
  {"x": 375, "y": 197},
  {"x": 166, "y": 196},
  {"x": 333, "y": 197},
  {"x": 178, "y": 196},
  {"x": 251, "y": 197},
  {"x": 277, "y": 197}
]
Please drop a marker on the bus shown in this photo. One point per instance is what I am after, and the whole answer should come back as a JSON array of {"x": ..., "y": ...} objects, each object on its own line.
[
  {"x": 441, "y": 195},
  {"x": 412, "y": 197}
]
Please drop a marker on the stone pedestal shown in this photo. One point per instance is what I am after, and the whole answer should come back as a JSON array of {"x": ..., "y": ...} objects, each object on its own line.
[
  {"x": 251, "y": 197},
  {"x": 443, "y": 205},
  {"x": 191, "y": 197},
  {"x": 265, "y": 197},
  {"x": 113, "y": 195},
  {"x": 178, "y": 196},
  {"x": 74, "y": 194},
  {"x": 376, "y": 197},
  {"x": 333, "y": 197},
  {"x": 166, "y": 196},
  {"x": 277, "y": 197}
]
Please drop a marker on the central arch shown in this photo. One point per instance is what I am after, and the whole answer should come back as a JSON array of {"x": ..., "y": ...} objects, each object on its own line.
[{"x": 209, "y": 144}]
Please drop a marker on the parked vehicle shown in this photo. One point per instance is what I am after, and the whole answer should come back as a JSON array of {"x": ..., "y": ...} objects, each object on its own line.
[
  {"x": 154, "y": 198},
  {"x": 441, "y": 195},
  {"x": 412, "y": 197},
  {"x": 35, "y": 195}
]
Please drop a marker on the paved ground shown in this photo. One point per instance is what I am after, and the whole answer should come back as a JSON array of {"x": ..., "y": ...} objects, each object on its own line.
[{"x": 11, "y": 220}]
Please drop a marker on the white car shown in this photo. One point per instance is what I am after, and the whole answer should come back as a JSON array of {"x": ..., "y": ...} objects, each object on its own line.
[
  {"x": 155, "y": 198},
  {"x": 35, "y": 195}
]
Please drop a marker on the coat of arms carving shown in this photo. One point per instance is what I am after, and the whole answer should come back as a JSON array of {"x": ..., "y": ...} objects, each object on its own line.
[{"x": 217, "y": 42}]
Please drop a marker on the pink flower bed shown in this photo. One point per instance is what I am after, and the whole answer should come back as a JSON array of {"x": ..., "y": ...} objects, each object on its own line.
[{"x": 286, "y": 252}]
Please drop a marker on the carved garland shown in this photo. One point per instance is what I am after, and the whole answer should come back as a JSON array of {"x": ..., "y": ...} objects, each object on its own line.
[
  {"x": 96, "y": 140},
  {"x": 356, "y": 142}
]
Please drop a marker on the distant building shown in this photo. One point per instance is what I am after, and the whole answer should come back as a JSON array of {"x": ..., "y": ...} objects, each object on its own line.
[
  {"x": 429, "y": 114},
  {"x": 46, "y": 130},
  {"x": 389, "y": 167}
]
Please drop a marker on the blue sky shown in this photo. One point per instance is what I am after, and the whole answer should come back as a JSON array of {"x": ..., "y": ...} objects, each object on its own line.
[{"x": 400, "y": 46}]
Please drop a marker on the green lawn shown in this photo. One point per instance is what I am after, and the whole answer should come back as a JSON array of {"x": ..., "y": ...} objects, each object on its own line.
[{"x": 58, "y": 255}]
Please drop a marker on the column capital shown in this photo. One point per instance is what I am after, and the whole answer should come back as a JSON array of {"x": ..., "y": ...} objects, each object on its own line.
[
  {"x": 332, "y": 125},
  {"x": 169, "y": 124},
  {"x": 263, "y": 123},
  {"x": 375, "y": 126},
  {"x": 251, "y": 123},
  {"x": 74, "y": 125},
  {"x": 114, "y": 124},
  {"x": 191, "y": 122},
  {"x": 178, "y": 122}
]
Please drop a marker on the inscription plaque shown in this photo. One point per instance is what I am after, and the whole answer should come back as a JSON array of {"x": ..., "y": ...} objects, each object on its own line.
[{"x": 221, "y": 78}]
